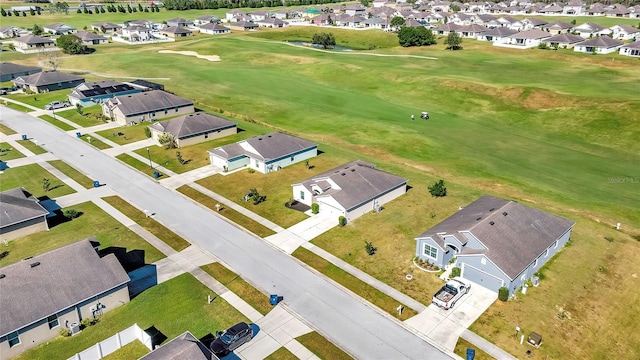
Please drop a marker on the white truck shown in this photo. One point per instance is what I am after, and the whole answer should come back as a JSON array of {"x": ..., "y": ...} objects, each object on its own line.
[{"x": 451, "y": 292}]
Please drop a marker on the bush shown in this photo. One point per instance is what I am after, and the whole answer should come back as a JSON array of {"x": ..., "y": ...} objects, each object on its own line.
[
  {"x": 85, "y": 322},
  {"x": 64, "y": 332},
  {"x": 315, "y": 208},
  {"x": 71, "y": 214},
  {"x": 147, "y": 132},
  {"x": 455, "y": 272},
  {"x": 342, "y": 221},
  {"x": 438, "y": 189},
  {"x": 371, "y": 250},
  {"x": 503, "y": 294}
]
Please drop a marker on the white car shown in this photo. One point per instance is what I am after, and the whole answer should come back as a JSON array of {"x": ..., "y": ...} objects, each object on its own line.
[{"x": 56, "y": 105}]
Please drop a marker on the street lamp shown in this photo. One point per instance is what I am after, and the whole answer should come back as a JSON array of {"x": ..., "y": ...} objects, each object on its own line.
[{"x": 149, "y": 155}]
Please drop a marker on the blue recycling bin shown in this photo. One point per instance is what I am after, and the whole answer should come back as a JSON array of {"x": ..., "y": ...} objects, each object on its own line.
[
  {"x": 156, "y": 174},
  {"x": 78, "y": 135},
  {"x": 96, "y": 183},
  {"x": 273, "y": 299},
  {"x": 471, "y": 353},
  {"x": 24, "y": 137}
]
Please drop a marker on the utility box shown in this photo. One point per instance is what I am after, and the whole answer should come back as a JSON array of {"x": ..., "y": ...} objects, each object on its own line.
[
  {"x": 24, "y": 137},
  {"x": 156, "y": 175},
  {"x": 471, "y": 353},
  {"x": 78, "y": 135},
  {"x": 96, "y": 183},
  {"x": 534, "y": 339}
]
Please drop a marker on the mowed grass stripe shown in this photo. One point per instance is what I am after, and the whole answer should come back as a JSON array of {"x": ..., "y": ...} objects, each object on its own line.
[
  {"x": 239, "y": 286},
  {"x": 57, "y": 123},
  {"x": 72, "y": 173}
]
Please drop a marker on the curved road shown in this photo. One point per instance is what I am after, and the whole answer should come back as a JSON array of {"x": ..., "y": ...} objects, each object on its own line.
[{"x": 339, "y": 316}]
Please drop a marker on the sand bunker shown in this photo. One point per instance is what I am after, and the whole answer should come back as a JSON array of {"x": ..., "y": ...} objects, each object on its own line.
[{"x": 192, "y": 53}]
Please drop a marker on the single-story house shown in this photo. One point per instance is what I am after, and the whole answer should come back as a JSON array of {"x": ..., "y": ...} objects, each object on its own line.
[
  {"x": 350, "y": 190},
  {"x": 135, "y": 33},
  {"x": 194, "y": 128},
  {"x": 214, "y": 29},
  {"x": 230, "y": 15},
  {"x": 625, "y": 32},
  {"x": 179, "y": 22},
  {"x": 557, "y": 27},
  {"x": 598, "y": 45},
  {"x": 146, "y": 84},
  {"x": 498, "y": 34},
  {"x": 564, "y": 41},
  {"x": 526, "y": 39},
  {"x": 105, "y": 27},
  {"x": 205, "y": 19},
  {"x": 30, "y": 44},
  {"x": 632, "y": 49},
  {"x": 21, "y": 215},
  {"x": 495, "y": 242},
  {"x": 472, "y": 31},
  {"x": 184, "y": 346},
  {"x": 89, "y": 38},
  {"x": 10, "y": 71},
  {"x": 272, "y": 23},
  {"x": 145, "y": 106},
  {"x": 56, "y": 290},
  {"x": 46, "y": 81},
  {"x": 264, "y": 153},
  {"x": 448, "y": 28},
  {"x": 9, "y": 32},
  {"x": 175, "y": 32},
  {"x": 92, "y": 93},
  {"x": 588, "y": 30},
  {"x": 59, "y": 29},
  {"x": 243, "y": 25}
]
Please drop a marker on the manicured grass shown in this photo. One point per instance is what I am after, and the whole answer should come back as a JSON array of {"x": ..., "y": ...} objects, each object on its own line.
[
  {"x": 226, "y": 212},
  {"x": 10, "y": 152},
  {"x": 240, "y": 287},
  {"x": 461, "y": 350},
  {"x": 31, "y": 178},
  {"x": 40, "y": 100},
  {"x": 130, "y": 134},
  {"x": 281, "y": 354},
  {"x": 16, "y": 107},
  {"x": 357, "y": 40},
  {"x": 6, "y": 130},
  {"x": 31, "y": 146},
  {"x": 87, "y": 118},
  {"x": 133, "y": 350},
  {"x": 72, "y": 173},
  {"x": 97, "y": 143},
  {"x": 138, "y": 165},
  {"x": 321, "y": 347},
  {"x": 58, "y": 123},
  {"x": 354, "y": 284},
  {"x": 172, "y": 307},
  {"x": 93, "y": 222}
]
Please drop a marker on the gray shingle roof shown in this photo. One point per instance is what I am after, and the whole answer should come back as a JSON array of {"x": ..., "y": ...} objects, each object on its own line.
[
  {"x": 602, "y": 41},
  {"x": 214, "y": 26},
  {"x": 11, "y": 68},
  {"x": 64, "y": 277},
  {"x": 268, "y": 147},
  {"x": 86, "y": 36},
  {"x": 19, "y": 205},
  {"x": 193, "y": 124},
  {"x": 148, "y": 101},
  {"x": 565, "y": 39},
  {"x": 532, "y": 34},
  {"x": 357, "y": 183},
  {"x": 47, "y": 78},
  {"x": 175, "y": 30},
  {"x": 185, "y": 346},
  {"x": 513, "y": 240},
  {"x": 32, "y": 39}
]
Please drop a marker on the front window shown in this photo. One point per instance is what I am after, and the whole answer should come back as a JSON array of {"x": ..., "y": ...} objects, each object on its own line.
[
  {"x": 14, "y": 339},
  {"x": 430, "y": 251},
  {"x": 301, "y": 195},
  {"x": 53, "y": 321}
]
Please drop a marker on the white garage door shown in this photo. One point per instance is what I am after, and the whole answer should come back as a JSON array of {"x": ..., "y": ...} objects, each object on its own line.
[
  {"x": 481, "y": 278},
  {"x": 329, "y": 210}
]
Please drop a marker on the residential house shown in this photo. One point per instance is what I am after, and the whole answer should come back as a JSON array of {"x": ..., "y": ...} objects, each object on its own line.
[
  {"x": 175, "y": 32},
  {"x": 501, "y": 35},
  {"x": 46, "y": 81},
  {"x": 525, "y": 39},
  {"x": 146, "y": 85},
  {"x": 9, "y": 32},
  {"x": 624, "y": 32},
  {"x": 105, "y": 27},
  {"x": 205, "y": 19},
  {"x": 243, "y": 25},
  {"x": 259, "y": 15},
  {"x": 552, "y": 9},
  {"x": 235, "y": 13},
  {"x": 142, "y": 22},
  {"x": 10, "y": 71},
  {"x": 93, "y": 93},
  {"x": 618, "y": 10},
  {"x": 323, "y": 19},
  {"x": 272, "y": 23},
  {"x": 557, "y": 27},
  {"x": 214, "y": 29},
  {"x": 264, "y": 153},
  {"x": 574, "y": 7},
  {"x": 355, "y": 9},
  {"x": 632, "y": 49},
  {"x": 136, "y": 33},
  {"x": 350, "y": 190},
  {"x": 563, "y": 41},
  {"x": 472, "y": 31},
  {"x": 89, "y": 38},
  {"x": 495, "y": 242},
  {"x": 59, "y": 29},
  {"x": 596, "y": 9},
  {"x": 589, "y": 30},
  {"x": 634, "y": 12},
  {"x": 599, "y": 45},
  {"x": 533, "y": 23},
  {"x": 30, "y": 44},
  {"x": 145, "y": 106},
  {"x": 179, "y": 22},
  {"x": 353, "y": 21},
  {"x": 440, "y": 6},
  {"x": 194, "y": 128},
  {"x": 376, "y": 23},
  {"x": 21, "y": 215},
  {"x": 448, "y": 28},
  {"x": 283, "y": 14},
  {"x": 56, "y": 290},
  {"x": 184, "y": 346}
]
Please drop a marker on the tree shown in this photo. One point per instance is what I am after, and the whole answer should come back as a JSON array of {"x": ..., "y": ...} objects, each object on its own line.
[
  {"x": 46, "y": 184},
  {"x": 168, "y": 140},
  {"x": 573, "y": 22},
  {"x": 3, "y": 12},
  {"x": 416, "y": 36},
  {"x": 454, "y": 8},
  {"x": 71, "y": 44},
  {"x": 438, "y": 189},
  {"x": 52, "y": 58},
  {"x": 37, "y": 30},
  {"x": 371, "y": 250},
  {"x": 326, "y": 40},
  {"x": 453, "y": 41},
  {"x": 32, "y": 12},
  {"x": 315, "y": 208},
  {"x": 397, "y": 22}
]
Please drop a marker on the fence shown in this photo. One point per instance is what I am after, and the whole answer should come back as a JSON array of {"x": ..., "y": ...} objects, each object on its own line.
[{"x": 106, "y": 347}]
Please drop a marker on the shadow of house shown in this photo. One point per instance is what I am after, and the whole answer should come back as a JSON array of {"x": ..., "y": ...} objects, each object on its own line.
[
  {"x": 142, "y": 279},
  {"x": 130, "y": 260}
]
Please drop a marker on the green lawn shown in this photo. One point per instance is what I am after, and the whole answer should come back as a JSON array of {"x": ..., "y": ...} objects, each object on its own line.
[
  {"x": 125, "y": 134},
  {"x": 133, "y": 350},
  {"x": 463, "y": 345},
  {"x": 138, "y": 165},
  {"x": 31, "y": 178},
  {"x": 172, "y": 307},
  {"x": 42, "y": 99},
  {"x": 16, "y": 107},
  {"x": 6, "y": 130},
  {"x": 30, "y": 145},
  {"x": 8, "y": 153},
  {"x": 281, "y": 354},
  {"x": 86, "y": 119},
  {"x": 72, "y": 173},
  {"x": 232, "y": 215},
  {"x": 169, "y": 237},
  {"x": 354, "y": 284},
  {"x": 93, "y": 222},
  {"x": 57, "y": 123},
  {"x": 95, "y": 142},
  {"x": 321, "y": 347}
]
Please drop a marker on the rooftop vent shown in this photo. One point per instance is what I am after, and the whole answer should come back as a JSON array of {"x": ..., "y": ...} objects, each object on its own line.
[
  {"x": 35, "y": 264},
  {"x": 491, "y": 223},
  {"x": 343, "y": 174},
  {"x": 353, "y": 170},
  {"x": 478, "y": 219},
  {"x": 504, "y": 213},
  {"x": 492, "y": 209},
  {"x": 2, "y": 276}
]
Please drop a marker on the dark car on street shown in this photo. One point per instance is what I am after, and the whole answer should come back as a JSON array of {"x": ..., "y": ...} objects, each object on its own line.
[{"x": 231, "y": 339}]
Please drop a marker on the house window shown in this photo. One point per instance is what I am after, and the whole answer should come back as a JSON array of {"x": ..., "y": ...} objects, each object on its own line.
[
  {"x": 53, "y": 321},
  {"x": 256, "y": 164},
  {"x": 176, "y": 109},
  {"x": 431, "y": 251},
  {"x": 546, "y": 253},
  {"x": 292, "y": 158},
  {"x": 14, "y": 339},
  {"x": 555, "y": 244},
  {"x": 301, "y": 195},
  {"x": 166, "y": 111}
]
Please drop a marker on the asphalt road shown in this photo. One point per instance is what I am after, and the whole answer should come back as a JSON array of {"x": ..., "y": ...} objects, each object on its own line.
[{"x": 339, "y": 316}]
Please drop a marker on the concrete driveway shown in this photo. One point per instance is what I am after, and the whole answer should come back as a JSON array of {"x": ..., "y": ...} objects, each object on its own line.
[
  {"x": 445, "y": 326},
  {"x": 302, "y": 232}
]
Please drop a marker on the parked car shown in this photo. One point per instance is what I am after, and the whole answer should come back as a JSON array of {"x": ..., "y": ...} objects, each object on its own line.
[
  {"x": 231, "y": 339},
  {"x": 451, "y": 292},
  {"x": 4, "y": 91},
  {"x": 56, "y": 105}
]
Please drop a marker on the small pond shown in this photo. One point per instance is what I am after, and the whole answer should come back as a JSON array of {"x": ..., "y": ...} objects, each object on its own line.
[{"x": 317, "y": 46}]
